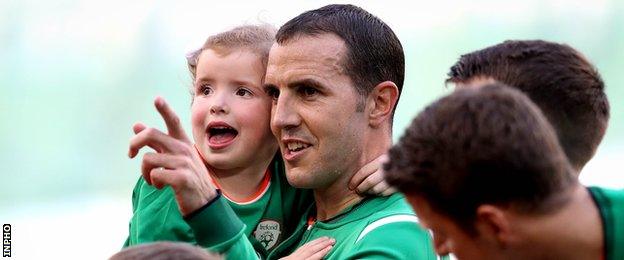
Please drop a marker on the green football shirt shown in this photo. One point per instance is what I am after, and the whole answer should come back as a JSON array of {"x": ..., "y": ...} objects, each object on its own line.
[
  {"x": 268, "y": 217},
  {"x": 375, "y": 228},
  {"x": 611, "y": 206}
]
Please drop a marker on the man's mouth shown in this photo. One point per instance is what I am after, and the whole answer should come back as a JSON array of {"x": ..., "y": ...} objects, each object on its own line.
[
  {"x": 220, "y": 135},
  {"x": 296, "y": 146},
  {"x": 294, "y": 149}
]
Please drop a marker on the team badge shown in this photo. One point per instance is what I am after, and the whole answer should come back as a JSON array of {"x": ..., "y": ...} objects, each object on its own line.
[{"x": 267, "y": 233}]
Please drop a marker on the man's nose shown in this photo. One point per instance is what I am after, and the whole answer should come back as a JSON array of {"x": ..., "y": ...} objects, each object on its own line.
[{"x": 285, "y": 114}]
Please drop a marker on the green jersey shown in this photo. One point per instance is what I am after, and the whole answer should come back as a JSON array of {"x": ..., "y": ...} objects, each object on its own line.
[
  {"x": 266, "y": 219},
  {"x": 611, "y": 206},
  {"x": 375, "y": 228}
]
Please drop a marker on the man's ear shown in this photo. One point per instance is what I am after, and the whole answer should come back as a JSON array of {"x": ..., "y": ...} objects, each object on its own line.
[
  {"x": 494, "y": 225},
  {"x": 381, "y": 102}
]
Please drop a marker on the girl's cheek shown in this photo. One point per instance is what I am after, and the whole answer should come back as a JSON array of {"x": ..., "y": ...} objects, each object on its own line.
[{"x": 198, "y": 114}]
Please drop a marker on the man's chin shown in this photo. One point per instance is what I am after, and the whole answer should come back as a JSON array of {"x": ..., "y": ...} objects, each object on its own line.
[
  {"x": 295, "y": 182},
  {"x": 305, "y": 179},
  {"x": 299, "y": 178}
]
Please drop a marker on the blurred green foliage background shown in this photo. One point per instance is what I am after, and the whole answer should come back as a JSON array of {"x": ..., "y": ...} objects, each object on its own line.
[{"x": 75, "y": 75}]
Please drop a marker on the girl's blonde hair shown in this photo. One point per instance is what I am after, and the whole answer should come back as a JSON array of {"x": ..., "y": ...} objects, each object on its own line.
[{"x": 255, "y": 38}]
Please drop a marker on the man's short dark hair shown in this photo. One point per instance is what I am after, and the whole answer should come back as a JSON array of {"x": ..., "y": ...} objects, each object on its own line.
[
  {"x": 481, "y": 146},
  {"x": 374, "y": 53},
  {"x": 558, "y": 79}
]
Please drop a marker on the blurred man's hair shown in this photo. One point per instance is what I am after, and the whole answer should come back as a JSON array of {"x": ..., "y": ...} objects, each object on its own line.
[{"x": 563, "y": 84}]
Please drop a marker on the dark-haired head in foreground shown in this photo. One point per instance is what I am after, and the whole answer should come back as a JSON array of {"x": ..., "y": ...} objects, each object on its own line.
[
  {"x": 557, "y": 78},
  {"x": 483, "y": 169},
  {"x": 165, "y": 251}
]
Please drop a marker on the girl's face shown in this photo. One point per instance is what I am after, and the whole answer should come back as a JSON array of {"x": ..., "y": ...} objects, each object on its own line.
[{"x": 231, "y": 112}]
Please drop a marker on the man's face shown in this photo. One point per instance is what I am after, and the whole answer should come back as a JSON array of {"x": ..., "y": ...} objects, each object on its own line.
[
  {"x": 314, "y": 113},
  {"x": 448, "y": 236}
]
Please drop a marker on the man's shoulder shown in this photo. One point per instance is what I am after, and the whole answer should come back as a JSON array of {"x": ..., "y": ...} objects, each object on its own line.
[
  {"x": 394, "y": 204},
  {"x": 617, "y": 194},
  {"x": 390, "y": 223},
  {"x": 608, "y": 199},
  {"x": 610, "y": 204},
  {"x": 390, "y": 215},
  {"x": 393, "y": 231}
]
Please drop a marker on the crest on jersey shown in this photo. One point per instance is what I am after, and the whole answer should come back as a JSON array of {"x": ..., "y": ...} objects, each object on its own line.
[{"x": 267, "y": 233}]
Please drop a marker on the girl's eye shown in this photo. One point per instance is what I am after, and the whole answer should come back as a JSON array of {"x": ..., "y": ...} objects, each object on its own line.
[
  {"x": 205, "y": 90},
  {"x": 243, "y": 92}
]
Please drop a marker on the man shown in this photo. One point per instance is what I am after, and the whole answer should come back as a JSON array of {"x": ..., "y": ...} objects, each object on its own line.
[
  {"x": 336, "y": 74},
  {"x": 483, "y": 168},
  {"x": 559, "y": 79}
]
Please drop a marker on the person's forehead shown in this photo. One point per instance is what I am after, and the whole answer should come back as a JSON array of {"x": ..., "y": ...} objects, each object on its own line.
[
  {"x": 322, "y": 53},
  {"x": 302, "y": 46},
  {"x": 241, "y": 64}
]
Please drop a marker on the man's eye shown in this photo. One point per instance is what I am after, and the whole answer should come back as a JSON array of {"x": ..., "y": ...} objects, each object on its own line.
[
  {"x": 308, "y": 91},
  {"x": 243, "y": 92},
  {"x": 205, "y": 90},
  {"x": 272, "y": 92}
]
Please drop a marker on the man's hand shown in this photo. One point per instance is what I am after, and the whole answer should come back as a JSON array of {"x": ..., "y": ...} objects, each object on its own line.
[
  {"x": 315, "y": 249},
  {"x": 370, "y": 179},
  {"x": 175, "y": 162}
]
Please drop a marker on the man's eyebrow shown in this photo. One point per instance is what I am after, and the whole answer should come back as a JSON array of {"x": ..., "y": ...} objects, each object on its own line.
[
  {"x": 268, "y": 86},
  {"x": 307, "y": 82}
]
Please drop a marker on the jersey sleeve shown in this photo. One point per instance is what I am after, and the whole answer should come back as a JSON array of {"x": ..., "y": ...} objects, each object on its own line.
[
  {"x": 156, "y": 216},
  {"x": 217, "y": 228},
  {"x": 135, "y": 198},
  {"x": 395, "y": 240},
  {"x": 611, "y": 206}
]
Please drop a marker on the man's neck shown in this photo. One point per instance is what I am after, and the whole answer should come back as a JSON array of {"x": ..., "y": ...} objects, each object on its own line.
[
  {"x": 578, "y": 225},
  {"x": 332, "y": 200},
  {"x": 336, "y": 197}
]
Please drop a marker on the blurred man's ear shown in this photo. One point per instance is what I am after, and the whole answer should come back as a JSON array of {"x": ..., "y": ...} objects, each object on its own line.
[
  {"x": 493, "y": 225},
  {"x": 381, "y": 102},
  {"x": 440, "y": 244}
]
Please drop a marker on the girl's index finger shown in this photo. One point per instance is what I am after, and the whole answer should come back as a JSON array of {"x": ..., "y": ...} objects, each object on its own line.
[{"x": 174, "y": 127}]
